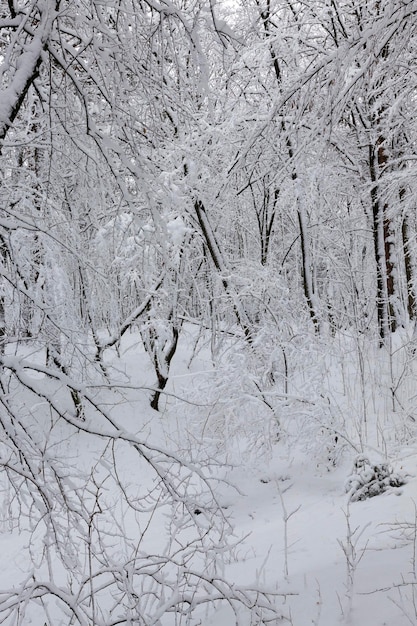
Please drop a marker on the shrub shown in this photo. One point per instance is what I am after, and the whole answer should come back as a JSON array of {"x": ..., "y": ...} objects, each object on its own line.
[{"x": 368, "y": 480}]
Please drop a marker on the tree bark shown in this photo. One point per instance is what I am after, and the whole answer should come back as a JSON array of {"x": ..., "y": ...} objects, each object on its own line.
[
  {"x": 212, "y": 246},
  {"x": 409, "y": 270},
  {"x": 382, "y": 233}
]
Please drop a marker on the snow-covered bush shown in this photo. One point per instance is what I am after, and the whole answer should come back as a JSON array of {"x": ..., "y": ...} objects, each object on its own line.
[{"x": 371, "y": 479}]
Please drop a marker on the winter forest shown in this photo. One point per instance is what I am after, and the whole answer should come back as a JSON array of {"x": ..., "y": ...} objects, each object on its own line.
[{"x": 208, "y": 308}]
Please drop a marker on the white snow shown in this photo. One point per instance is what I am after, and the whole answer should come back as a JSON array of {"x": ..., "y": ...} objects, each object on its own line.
[{"x": 331, "y": 561}]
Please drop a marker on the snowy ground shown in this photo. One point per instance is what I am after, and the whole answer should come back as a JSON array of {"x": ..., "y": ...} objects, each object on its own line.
[
  {"x": 289, "y": 496},
  {"x": 296, "y": 534},
  {"x": 345, "y": 562}
]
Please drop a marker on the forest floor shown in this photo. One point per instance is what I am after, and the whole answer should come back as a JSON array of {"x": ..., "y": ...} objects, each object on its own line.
[
  {"x": 295, "y": 530},
  {"x": 351, "y": 563}
]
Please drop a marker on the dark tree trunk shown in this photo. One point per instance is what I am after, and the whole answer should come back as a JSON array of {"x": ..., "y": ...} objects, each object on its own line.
[
  {"x": 409, "y": 270},
  {"x": 162, "y": 364},
  {"x": 216, "y": 257},
  {"x": 382, "y": 232}
]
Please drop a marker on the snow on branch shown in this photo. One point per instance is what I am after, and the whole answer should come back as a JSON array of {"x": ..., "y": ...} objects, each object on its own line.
[{"x": 26, "y": 70}]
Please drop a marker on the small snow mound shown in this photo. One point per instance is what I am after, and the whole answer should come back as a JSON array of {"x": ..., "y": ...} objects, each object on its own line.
[{"x": 371, "y": 479}]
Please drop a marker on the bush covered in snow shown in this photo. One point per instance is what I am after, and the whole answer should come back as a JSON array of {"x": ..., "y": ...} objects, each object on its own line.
[{"x": 371, "y": 479}]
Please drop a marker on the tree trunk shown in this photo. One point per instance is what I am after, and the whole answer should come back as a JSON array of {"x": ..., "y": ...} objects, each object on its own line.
[
  {"x": 212, "y": 246},
  {"x": 381, "y": 229},
  {"x": 162, "y": 363},
  {"x": 409, "y": 270},
  {"x": 307, "y": 277}
]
